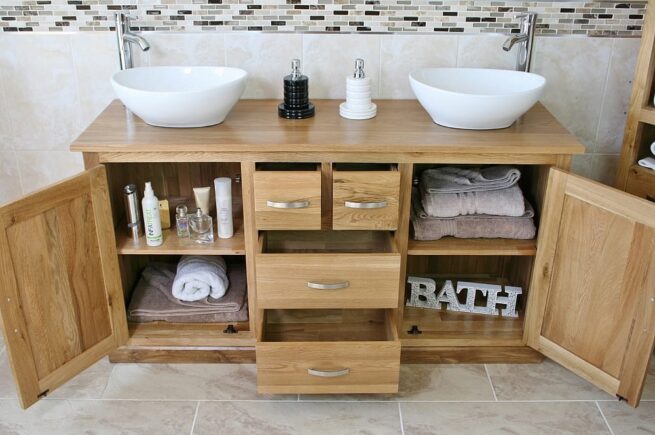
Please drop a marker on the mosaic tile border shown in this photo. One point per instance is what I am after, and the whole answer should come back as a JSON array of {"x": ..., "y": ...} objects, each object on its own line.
[{"x": 598, "y": 18}]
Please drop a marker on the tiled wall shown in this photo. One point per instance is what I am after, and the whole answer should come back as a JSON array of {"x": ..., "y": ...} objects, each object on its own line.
[
  {"x": 595, "y": 18},
  {"x": 53, "y": 85}
]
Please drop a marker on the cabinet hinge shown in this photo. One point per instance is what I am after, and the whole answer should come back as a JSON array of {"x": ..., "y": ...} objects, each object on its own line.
[
  {"x": 415, "y": 330},
  {"x": 44, "y": 394},
  {"x": 621, "y": 398},
  {"x": 230, "y": 330}
]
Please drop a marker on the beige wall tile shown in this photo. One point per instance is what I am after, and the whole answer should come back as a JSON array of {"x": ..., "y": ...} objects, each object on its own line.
[
  {"x": 576, "y": 70},
  {"x": 325, "y": 418},
  {"x": 267, "y": 58},
  {"x": 10, "y": 187},
  {"x": 554, "y": 418},
  {"x": 485, "y": 51},
  {"x": 96, "y": 59},
  {"x": 42, "y": 91},
  {"x": 188, "y": 49},
  {"x": 617, "y": 95},
  {"x": 624, "y": 419},
  {"x": 545, "y": 381},
  {"x": 97, "y": 417},
  {"x": 6, "y": 128},
  {"x": 401, "y": 54},
  {"x": 582, "y": 165},
  {"x": 42, "y": 168},
  {"x": 329, "y": 59}
]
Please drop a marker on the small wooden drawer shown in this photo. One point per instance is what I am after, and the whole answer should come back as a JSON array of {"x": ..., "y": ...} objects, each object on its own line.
[
  {"x": 641, "y": 182},
  {"x": 365, "y": 197},
  {"x": 316, "y": 269},
  {"x": 288, "y": 197},
  {"x": 327, "y": 352}
]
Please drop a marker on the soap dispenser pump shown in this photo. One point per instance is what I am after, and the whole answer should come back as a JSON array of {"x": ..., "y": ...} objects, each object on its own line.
[
  {"x": 358, "y": 103},
  {"x": 296, "y": 95}
]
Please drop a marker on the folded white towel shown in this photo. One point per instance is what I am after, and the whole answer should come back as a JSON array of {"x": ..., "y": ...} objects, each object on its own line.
[
  {"x": 648, "y": 162},
  {"x": 199, "y": 277}
]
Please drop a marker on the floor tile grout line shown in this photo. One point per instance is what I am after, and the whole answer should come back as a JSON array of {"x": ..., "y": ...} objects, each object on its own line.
[
  {"x": 402, "y": 424},
  {"x": 111, "y": 372},
  {"x": 491, "y": 384},
  {"x": 195, "y": 417},
  {"x": 604, "y": 419}
]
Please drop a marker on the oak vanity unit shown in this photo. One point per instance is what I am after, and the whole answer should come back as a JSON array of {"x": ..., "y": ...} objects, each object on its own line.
[{"x": 322, "y": 225}]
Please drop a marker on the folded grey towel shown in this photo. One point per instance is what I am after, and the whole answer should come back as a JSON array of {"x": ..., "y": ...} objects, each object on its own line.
[
  {"x": 153, "y": 299},
  {"x": 473, "y": 226},
  {"x": 504, "y": 202},
  {"x": 456, "y": 180}
]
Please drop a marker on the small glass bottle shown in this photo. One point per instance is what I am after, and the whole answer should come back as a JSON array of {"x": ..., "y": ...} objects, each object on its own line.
[
  {"x": 201, "y": 227},
  {"x": 182, "y": 221}
]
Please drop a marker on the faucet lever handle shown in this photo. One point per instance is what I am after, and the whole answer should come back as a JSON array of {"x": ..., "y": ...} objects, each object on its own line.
[{"x": 525, "y": 15}]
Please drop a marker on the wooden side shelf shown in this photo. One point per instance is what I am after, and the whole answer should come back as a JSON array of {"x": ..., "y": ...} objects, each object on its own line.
[
  {"x": 189, "y": 334},
  {"x": 173, "y": 245},
  {"x": 447, "y": 328},
  {"x": 647, "y": 115},
  {"x": 453, "y": 246}
]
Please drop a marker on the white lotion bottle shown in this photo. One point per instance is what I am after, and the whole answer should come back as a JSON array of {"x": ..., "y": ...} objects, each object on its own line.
[
  {"x": 223, "y": 191},
  {"x": 151, "y": 217}
]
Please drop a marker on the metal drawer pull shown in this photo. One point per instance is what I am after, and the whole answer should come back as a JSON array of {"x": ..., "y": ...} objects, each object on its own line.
[
  {"x": 366, "y": 204},
  {"x": 290, "y": 204},
  {"x": 328, "y": 373},
  {"x": 333, "y": 286}
]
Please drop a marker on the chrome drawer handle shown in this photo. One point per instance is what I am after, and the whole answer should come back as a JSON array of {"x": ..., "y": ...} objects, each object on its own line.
[
  {"x": 328, "y": 373},
  {"x": 289, "y": 204},
  {"x": 333, "y": 286},
  {"x": 366, "y": 204}
]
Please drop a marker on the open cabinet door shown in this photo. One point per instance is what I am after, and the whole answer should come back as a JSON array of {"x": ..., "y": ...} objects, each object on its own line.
[
  {"x": 592, "y": 298},
  {"x": 61, "y": 299}
]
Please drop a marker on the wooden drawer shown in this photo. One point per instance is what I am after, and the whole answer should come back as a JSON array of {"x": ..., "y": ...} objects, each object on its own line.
[
  {"x": 288, "y": 199},
  {"x": 641, "y": 182},
  {"x": 316, "y": 271},
  {"x": 364, "y": 199},
  {"x": 350, "y": 354}
]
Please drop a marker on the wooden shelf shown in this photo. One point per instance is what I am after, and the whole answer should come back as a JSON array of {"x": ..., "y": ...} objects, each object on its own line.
[
  {"x": 447, "y": 328},
  {"x": 173, "y": 245},
  {"x": 162, "y": 334},
  {"x": 453, "y": 246},
  {"x": 647, "y": 115}
]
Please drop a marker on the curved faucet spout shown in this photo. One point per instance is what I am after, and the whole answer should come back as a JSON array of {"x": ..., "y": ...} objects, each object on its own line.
[
  {"x": 514, "y": 39},
  {"x": 136, "y": 39}
]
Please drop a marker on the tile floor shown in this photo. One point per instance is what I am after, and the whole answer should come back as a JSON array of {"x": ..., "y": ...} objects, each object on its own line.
[{"x": 221, "y": 399}]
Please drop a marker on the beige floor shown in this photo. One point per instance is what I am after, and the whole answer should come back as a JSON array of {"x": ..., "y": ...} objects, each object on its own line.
[{"x": 221, "y": 399}]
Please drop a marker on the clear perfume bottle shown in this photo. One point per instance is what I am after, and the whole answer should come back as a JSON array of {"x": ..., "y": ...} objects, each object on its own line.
[
  {"x": 182, "y": 221},
  {"x": 201, "y": 227}
]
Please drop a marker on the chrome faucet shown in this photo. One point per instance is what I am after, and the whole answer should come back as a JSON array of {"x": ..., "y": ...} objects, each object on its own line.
[
  {"x": 525, "y": 39},
  {"x": 126, "y": 38}
]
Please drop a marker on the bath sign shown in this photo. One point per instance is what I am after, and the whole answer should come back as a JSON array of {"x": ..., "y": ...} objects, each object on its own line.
[{"x": 424, "y": 295}]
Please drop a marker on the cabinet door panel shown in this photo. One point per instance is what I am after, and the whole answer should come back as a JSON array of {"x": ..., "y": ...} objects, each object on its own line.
[
  {"x": 591, "y": 305},
  {"x": 61, "y": 297}
]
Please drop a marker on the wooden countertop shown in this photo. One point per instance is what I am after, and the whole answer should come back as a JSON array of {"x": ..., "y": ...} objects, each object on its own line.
[{"x": 401, "y": 126}]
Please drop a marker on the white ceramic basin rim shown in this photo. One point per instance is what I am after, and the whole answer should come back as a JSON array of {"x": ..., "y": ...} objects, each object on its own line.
[
  {"x": 476, "y": 98},
  {"x": 178, "y": 96}
]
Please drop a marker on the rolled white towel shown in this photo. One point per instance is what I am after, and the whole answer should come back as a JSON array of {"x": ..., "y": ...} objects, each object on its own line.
[
  {"x": 647, "y": 162},
  {"x": 199, "y": 277}
]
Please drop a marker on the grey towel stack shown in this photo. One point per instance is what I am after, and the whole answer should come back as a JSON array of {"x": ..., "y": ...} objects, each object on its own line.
[{"x": 471, "y": 203}]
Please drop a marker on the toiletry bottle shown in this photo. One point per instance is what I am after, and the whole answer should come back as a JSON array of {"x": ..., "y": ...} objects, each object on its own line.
[
  {"x": 223, "y": 191},
  {"x": 201, "y": 227},
  {"x": 296, "y": 95},
  {"x": 201, "y": 195},
  {"x": 182, "y": 221},
  {"x": 132, "y": 213},
  {"x": 151, "y": 217},
  {"x": 358, "y": 103}
]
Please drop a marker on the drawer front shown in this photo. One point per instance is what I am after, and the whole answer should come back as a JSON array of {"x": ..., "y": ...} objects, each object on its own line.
[
  {"x": 365, "y": 200},
  {"x": 328, "y": 367},
  {"x": 327, "y": 280},
  {"x": 640, "y": 184},
  {"x": 287, "y": 200}
]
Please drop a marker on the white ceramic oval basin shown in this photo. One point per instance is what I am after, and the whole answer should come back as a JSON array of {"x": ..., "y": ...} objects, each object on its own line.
[
  {"x": 179, "y": 96},
  {"x": 475, "y": 98}
]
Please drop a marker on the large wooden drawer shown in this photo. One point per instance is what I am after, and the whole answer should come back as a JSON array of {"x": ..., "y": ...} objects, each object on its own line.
[
  {"x": 365, "y": 199},
  {"x": 348, "y": 355},
  {"x": 314, "y": 270},
  {"x": 288, "y": 199}
]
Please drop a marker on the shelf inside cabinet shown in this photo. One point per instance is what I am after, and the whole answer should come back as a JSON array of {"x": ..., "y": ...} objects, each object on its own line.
[
  {"x": 647, "y": 115},
  {"x": 190, "y": 334},
  {"x": 453, "y": 246},
  {"x": 174, "y": 245},
  {"x": 447, "y": 328}
]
